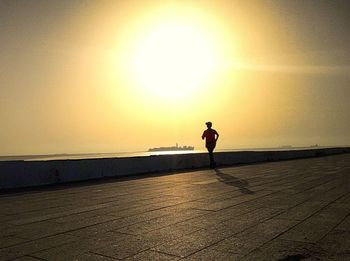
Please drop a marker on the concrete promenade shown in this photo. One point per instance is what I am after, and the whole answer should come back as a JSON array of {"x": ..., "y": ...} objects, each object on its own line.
[{"x": 286, "y": 210}]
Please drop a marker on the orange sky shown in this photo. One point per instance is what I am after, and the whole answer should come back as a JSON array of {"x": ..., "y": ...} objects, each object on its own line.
[{"x": 109, "y": 76}]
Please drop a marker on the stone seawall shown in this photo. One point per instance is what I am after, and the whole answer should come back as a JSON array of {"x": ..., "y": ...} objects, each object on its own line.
[{"x": 18, "y": 174}]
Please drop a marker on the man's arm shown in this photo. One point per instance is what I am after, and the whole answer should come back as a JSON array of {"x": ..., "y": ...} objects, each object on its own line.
[
  {"x": 203, "y": 135},
  {"x": 217, "y": 136}
]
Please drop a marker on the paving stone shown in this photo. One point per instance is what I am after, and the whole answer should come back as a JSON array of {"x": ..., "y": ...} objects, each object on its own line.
[
  {"x": 34, "y": 246},
  {"x": 194, "y": 242},
  {"x": 10, "y": 241},
  {"x": 246, "y": 241},
  {"x": 271, "y": 227},
  {"x": 48, "y": 228},
  {"x": 98, "y": 229},
  {"x": 239, "y": 246},
  {"x": 229, "y": 202},
  {"x": 337, "y": 245},
  {"x": 304, "y": 210},
  {"x": 7, "y": 230},
  {"x": 345, "y": 224},
  {"x": 65, "y": 252},
  {"x": 332, "y": 194},
  {"x": 166, "y": 234},
  {"x": 334, "y": 212},
  {"x": 80, "y": 246},
  {"x": 77, "y": 217},
  {"x": 213, "y": 218},
  {"x": 250, "y": 219},
  {"x": 310, "y": 230},
  {"x": 26, "y": 258},
  {"x": 152, "y": 255},
  {"x": 91, "y": 257},
  {"x": 317, "y": 226},
  {"x": 266, "y": 211},
  {"x": 124, "y": 249},
  {"x": 131, "y": 211},
  {"x": 57, "y": 212},
  {"x": 287, "y": 250},
  {"x": 208, "y": 254},
  {"x": 161, "y": 222},
  {"x": 344, "y": 199}
]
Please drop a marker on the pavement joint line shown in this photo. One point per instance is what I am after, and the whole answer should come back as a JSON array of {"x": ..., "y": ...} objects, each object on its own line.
[
  {"x": 325, "y": 206},
  {"x": 28, "y": 211},
  {"x": 201, "y": 209},
  {"x": 263, "y": 220},
  {"x": 152, "y": 193},
  {"x": 247, "y": 201},
  {"x": 124, "y": 225},
  {"x": 345, "y": 195},
  {"x": 123, "y": 233},
  {"x": 52, "y": 235},
  {"x": 128, "y": 208},
  {"x": 92, "y": 252},
  {"x": 232, "y": 235},
  {"x": 44, "y": 249},
  {"x": 276, "y": 237},
  {"x": 270, "y": 182},
  {"x": 17, "y": 244},
  {"x": 57, "y": 216},
  {"x": 315, "y": 185},
  {"x": 158, "y": 217},
  {"x": 161, "y": 227},
  {"x": 179, "y": 257},
  {"x": 199, "y": 228},
  {"x": 308, "y": 199},
  {"x": 156, "y": 251},
  {"x": 301, "y": 221},
  {"x": 334, "y": 227},
  {"x": 33, "y": 257},
  {"x": 293, "y": 226},
  {"x": 288, "y": 240},
  {"x": 236, "y": 196},
  {"x": 263, "y": 244}
]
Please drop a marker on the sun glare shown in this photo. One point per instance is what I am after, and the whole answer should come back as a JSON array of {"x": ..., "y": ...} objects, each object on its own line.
[
  {"x": 173, "y": 54},
  {"x": 174, "y": 60}
]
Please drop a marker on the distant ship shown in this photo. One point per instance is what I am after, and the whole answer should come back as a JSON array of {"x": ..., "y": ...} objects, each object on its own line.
[{"x": 172, "y": 148}]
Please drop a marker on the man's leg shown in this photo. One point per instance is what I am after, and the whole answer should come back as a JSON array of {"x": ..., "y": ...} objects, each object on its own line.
[{"x": 211, "y": 157}]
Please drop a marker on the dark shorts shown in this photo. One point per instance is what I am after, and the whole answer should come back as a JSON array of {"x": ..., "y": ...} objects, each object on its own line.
[{"x": 210, "y": 146}]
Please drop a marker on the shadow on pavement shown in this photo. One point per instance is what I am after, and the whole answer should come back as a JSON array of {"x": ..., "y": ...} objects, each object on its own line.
[{"x": 233, "y": 181}]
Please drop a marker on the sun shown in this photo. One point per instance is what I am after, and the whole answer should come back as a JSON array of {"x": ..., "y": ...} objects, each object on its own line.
[{"x": 174, "y": 60}]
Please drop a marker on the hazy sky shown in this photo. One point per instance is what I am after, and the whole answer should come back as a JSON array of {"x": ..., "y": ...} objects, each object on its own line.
[{"x": 109, "y": 76}]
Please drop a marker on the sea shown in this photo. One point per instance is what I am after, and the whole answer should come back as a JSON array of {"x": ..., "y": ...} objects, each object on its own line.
[{"x": 64, "y": 156}]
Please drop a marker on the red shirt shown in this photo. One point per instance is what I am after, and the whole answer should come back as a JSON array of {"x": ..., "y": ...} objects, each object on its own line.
[{"x": 209, "y": 135}]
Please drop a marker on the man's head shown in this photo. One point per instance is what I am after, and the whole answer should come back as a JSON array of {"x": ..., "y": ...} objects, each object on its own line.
[{"x": 209, "y": 124}]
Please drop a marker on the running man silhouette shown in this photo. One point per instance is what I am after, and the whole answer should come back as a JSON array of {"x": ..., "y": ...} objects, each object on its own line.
[{"x": 211, "y": 136}]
